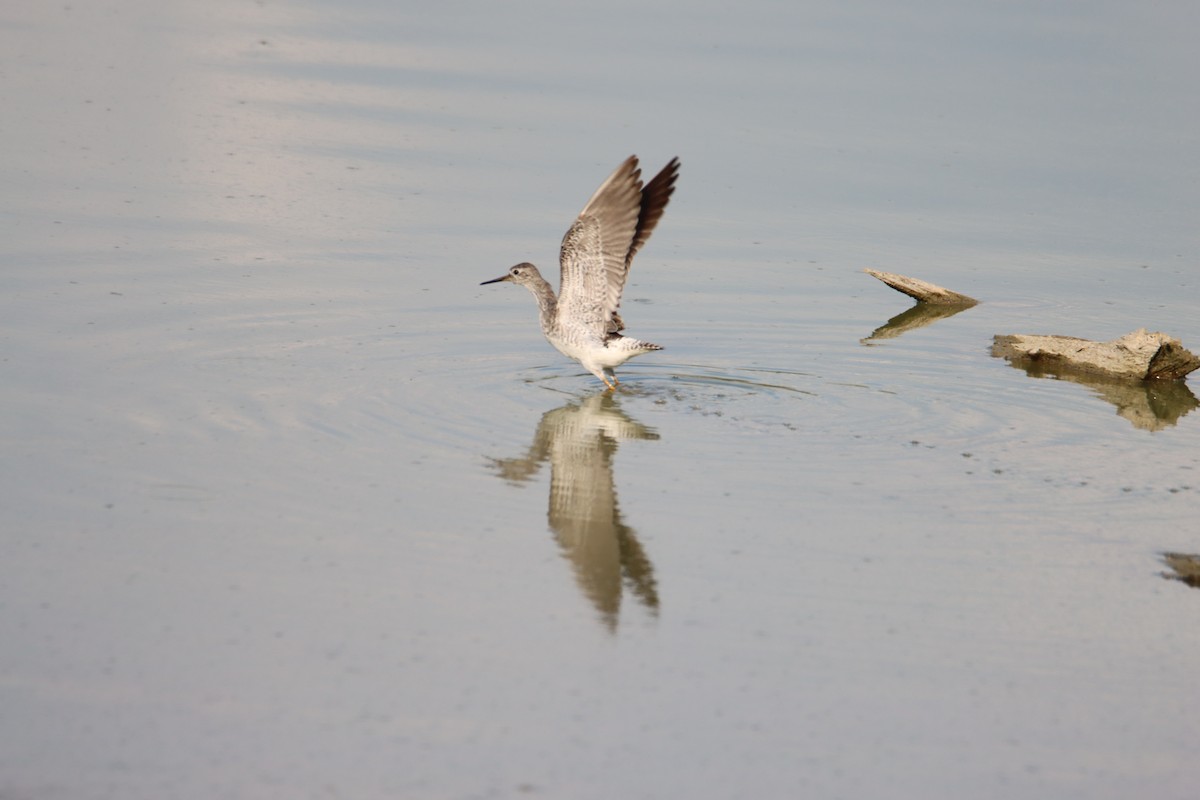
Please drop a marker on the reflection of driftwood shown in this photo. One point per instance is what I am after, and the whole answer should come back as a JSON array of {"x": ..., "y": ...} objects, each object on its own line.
[
  {"x": 921, "y": 291},
  {"x": 1186, "y": 568},
  {"x": 918, "y": 316},
  {"x": 1134, "y": 356},
  {"x": 1149, "y": 405}
]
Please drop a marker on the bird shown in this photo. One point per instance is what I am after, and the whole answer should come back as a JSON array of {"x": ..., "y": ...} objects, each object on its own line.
[{"x": 597, "y": 250}]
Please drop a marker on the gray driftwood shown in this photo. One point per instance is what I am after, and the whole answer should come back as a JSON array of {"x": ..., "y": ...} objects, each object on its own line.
[
  {"x": 922, "y": 291},
  {"x": 1135, "y": 356}
]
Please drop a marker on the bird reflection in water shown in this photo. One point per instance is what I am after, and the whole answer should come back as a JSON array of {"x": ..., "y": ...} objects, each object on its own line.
[{"x": 579, "y": 440}]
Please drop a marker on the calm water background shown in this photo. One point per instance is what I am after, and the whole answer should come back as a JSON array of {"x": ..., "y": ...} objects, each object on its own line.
[{"x": 293, "y": 508}]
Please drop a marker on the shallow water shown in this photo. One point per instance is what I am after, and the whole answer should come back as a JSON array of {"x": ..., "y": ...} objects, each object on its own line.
[{"x": 293, "y": 507}]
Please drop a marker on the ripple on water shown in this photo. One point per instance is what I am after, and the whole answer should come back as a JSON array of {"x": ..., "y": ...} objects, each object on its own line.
[{"x": 453, "y": 386}]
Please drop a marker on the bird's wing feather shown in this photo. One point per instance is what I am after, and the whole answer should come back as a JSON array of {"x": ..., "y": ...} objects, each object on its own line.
[
  {"x": 655, "y": 197},
  {"x": 599, "y": 248},
  {"x": 595, "y": 250}
]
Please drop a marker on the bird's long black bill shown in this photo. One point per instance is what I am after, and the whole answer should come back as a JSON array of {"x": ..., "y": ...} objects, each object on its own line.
[{"x": 495, "y": 280}]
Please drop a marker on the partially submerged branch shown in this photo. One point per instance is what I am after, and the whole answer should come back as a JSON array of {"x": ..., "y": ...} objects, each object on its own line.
[{"x": 922, "y": 291}]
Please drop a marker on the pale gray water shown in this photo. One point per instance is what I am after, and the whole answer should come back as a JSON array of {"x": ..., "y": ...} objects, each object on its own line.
[{"x": 293, "y": 508}]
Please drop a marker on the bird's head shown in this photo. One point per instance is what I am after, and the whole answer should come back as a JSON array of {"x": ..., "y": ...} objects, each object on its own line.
[{"x": 523, "y": 274}]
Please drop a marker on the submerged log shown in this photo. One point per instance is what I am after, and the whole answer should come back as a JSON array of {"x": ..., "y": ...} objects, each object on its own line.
[
  {"x": 922, "y": 291},
  {"x": 1135, "y": 356}
]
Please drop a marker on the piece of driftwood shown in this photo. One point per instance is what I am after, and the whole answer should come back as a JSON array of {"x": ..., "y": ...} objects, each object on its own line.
[
  {"x": 922, "y": 291},
  {"x": 1135, "y": 356},
  {"x": 1186, "y": 568}
]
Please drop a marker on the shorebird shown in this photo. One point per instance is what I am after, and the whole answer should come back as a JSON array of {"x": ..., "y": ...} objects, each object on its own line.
[{"x": 582, "y": 321}]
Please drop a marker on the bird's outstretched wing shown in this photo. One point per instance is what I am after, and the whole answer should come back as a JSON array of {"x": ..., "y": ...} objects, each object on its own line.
[{"x": 599, "y": 247}]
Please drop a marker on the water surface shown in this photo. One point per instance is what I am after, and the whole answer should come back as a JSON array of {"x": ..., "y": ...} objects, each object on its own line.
[{"x": 293, "y": 507}]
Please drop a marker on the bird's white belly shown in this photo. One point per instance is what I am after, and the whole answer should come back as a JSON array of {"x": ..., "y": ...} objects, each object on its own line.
[{"x": 591, "y": 352}]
